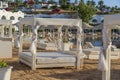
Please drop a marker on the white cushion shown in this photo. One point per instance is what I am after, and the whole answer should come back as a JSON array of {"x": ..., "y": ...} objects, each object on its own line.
[{"x": 50, "y": 57}]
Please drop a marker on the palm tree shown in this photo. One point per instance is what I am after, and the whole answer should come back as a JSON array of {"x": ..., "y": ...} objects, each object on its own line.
[
  {"x": 9, "y": 0},
  {"x": 108, "y": 8},
  {"x": 93, "y": 3},
  {"x": 64, "y": 2},
  {"x": 88, "y": 2},
  {"x": 43, "y": 1},
  {"x": 76, "y": 1},
  {"x": 60, "y": 2},
  {"x": 36, "y": 1},
  {"x": 116, "y": 7},
  {"x": 101, "y": 5},
  {"x": 51, "y": 1},
  {"x": 113, "y": 9},
  {"x": 82, "y": 1}
]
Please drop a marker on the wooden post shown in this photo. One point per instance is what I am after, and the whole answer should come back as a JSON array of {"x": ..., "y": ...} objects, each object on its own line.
[
  {"x": 106, "y": 73},
  {"x": 21, "y": 38},
  {"x": 2, "y": 34},
  {"x": 43, "y": 32},
  {"x": 34, "y": 46},
  {"x": 53, "y": 34},
  {"x": 78, "y": 48},
  {"x": 108, "y": 55},
  {"x": 107, "y": 52},
  {"x": 60, "y": 38},
  {"x": 10, "y": 31},
  {"x": 33, "y": 62},
  {"x": 78, "y": 61},
  {"x": 66, "y": 31}
]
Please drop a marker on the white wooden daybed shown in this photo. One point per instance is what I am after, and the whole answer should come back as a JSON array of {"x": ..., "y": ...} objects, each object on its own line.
[
  {"x": 93, "y": 53},
  {"x": 44, "y": 44},
  {"x": 49, "y": 59},
  {"x": 5, "y": 40},
  {"x": 36, "y": 59},
  {"x": 110, "y": 22}
]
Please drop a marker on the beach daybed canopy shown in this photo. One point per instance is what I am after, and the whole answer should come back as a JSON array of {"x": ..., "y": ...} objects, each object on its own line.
[
  {"x": 5, "y": 40},
  {"x": 50, "y": 21},
  {"x": 6, "y": 23},
  {"x": 110, "y": 22},
  {"x": 50, "y": 59}
]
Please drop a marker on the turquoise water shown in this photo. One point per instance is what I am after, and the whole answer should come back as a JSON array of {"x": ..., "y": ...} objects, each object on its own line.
[{"x": 95, "y": 42}]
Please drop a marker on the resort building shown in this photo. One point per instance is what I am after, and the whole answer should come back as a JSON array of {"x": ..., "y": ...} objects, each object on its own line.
[
  {"x": 8, "y": 22},
  {"x": 3, "y": 5},
  {"x": 13, "y": 16},
  {"x": 94, "y": 33},
  {"x": 96, "y": 19}
]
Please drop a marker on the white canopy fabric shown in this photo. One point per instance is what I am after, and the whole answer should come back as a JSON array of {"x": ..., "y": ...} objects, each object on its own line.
[
  {"x": 37, "y": 22},
  {"x": 110, "y": 22},
  {"x": 34, "y": 40},
  {"x": 50, "y": 21},
  {"x": 112, "y": 19}
]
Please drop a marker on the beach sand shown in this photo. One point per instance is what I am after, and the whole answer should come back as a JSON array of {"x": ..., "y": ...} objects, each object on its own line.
[{"x": 89, "y": 71}]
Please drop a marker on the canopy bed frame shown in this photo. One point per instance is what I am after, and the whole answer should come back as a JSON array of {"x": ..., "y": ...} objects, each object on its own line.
[
  {"x": 6, "y": 41},
  {"x": 36, "y": 59},
  {"x": 110, "y": 22}
]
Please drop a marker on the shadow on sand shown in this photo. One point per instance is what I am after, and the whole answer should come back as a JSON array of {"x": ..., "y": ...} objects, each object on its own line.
[{"x": 78, "y": 75}]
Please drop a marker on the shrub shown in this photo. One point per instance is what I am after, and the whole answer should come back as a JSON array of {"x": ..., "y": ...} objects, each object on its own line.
[{"x": 3, "y": 64}]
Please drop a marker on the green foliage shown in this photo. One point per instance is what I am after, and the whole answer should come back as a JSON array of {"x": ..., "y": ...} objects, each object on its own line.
[
  {"x": 43, "y": 1},
  {"x": 54, "y": 7},
  {"x": 90, "y": 3},
  {"x": 51, "y": 1},
  {"x": 64, "y": 2},
  {"x": 13, "y": 29},
  {"x": 101, "y": 5},
  {"x": 37, "y": 1},
  {"x": 3, "y": 64},
  {"x": 15, "y": 10},
  {"x": 66, "y": 7},
  {"x": 85, "y": 12},
  {"x": 65, "y": 41}
]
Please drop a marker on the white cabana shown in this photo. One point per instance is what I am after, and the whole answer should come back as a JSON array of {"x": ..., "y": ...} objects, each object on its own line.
[
  {"x": 5, "y": 40},
  {"x": 8, "y": 24},
  {"x": 36, "y": 59},
  {"x": 110, "y": 22}
]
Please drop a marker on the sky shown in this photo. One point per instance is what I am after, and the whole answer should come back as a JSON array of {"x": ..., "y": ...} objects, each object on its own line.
[{"x": 107, "y": 2}]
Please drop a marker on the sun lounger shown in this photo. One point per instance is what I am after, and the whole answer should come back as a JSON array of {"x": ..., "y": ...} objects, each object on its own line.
[
  {"x": 93, "y": 53},
  {"x": 43, "y": 44}
]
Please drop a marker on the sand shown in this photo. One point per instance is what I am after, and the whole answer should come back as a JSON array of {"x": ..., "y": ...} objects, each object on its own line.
[{"x": 89, "y": 71}]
